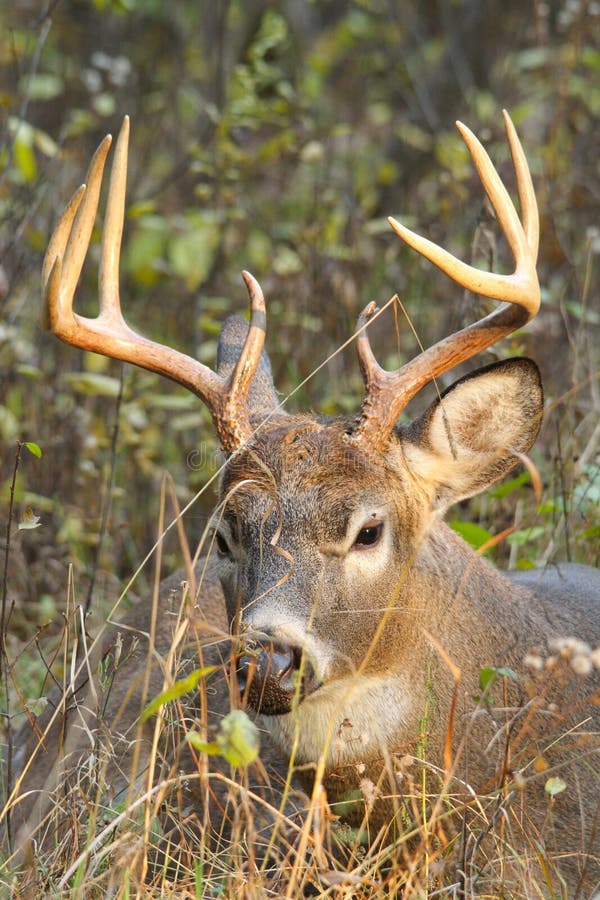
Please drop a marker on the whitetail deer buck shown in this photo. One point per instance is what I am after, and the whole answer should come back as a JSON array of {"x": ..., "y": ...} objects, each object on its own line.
[{"x": 364, "y": 621}]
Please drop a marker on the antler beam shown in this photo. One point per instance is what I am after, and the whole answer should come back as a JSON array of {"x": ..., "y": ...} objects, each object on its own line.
[
  {"x": 109, "y": 334},
  {"x": 388, "y": 393}
]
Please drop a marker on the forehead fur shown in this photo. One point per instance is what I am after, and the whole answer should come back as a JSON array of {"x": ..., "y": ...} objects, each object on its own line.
[
  {"x": 299, "y": 452},
  {"x": 303, "y": 475}
]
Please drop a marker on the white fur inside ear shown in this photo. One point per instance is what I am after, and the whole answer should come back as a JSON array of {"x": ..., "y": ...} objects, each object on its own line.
[
  {"x": 477, "y": 417},
  {"x": 428, "y": 467},
  {"x": 466, "y": 441}
]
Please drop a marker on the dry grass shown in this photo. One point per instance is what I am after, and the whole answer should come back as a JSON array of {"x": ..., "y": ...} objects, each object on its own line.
[{"x": 139, "y": 813}]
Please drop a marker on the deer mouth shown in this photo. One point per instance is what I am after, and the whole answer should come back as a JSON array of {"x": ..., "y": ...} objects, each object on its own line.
[{"x": 275, "y": 679}]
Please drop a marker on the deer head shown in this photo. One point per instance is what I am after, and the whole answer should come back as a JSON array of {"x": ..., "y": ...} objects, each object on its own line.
[{"x": 332, "y": 554}]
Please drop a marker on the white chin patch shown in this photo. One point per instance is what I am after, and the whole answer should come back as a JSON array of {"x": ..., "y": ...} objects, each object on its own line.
[{"x": 347, "y": 721}]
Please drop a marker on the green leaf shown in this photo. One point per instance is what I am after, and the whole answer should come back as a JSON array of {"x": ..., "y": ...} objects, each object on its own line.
[
  {"x": 192, "y": 250},
  {"x": 505, "y": 672},
  {"x": 44, "y": 86},
  {"x": 44, "y": 143},
  {"x": 524, "y": 535},
  {"x": 37, "y": 705},
  {"x": 33, "y": 448},
  {"x": 181, "y": 687},
  {"x": 211, "y": 748},
  {"x": 173, "y": 401},
  {"x": 144, "y": 256},
  {"x": 28, "y": 370},
  {"x": 238, "y": 739},
  {"x": 104, "y": 103},
  {"x": 508, "y": 487},
  {"x": 286, "y": 261},
  {"x": 473, "y": 534},
  {"x": 141, "y": 208},
  {"x": 555, "y": 786},
  {"x": 93, "y": 384},
  {"x": 489, "y": 675},
  {"x": 24, "y": 156}
]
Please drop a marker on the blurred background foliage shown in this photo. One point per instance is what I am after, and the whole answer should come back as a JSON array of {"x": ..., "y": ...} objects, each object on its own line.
[{"x": 277, "y": 136}]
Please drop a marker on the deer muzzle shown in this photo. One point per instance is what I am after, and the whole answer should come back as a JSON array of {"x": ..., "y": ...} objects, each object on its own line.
[{"x": 275, "y": 678}]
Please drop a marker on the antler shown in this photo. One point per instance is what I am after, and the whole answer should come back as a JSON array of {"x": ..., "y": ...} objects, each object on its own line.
[
  {"x": 388, "y": 393},
  {"x": 109, "y": 334}
]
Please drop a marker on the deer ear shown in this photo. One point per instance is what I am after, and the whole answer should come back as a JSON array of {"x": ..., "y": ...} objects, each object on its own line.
[
  {"x": 467, "y": 440},
  {"x": 262, "y": 398}
]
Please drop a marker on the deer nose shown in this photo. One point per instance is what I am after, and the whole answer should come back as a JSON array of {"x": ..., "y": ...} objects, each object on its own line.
[{"x": 275, "y": 677}]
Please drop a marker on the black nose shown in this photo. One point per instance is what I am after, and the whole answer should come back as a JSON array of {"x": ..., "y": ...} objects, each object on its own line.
[{"x": 271, "y": 679}]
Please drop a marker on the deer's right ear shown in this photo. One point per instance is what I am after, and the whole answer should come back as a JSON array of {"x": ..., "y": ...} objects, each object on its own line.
[
  {"x": 262, "y": 398},
  {"x": 466, "y": 441}
]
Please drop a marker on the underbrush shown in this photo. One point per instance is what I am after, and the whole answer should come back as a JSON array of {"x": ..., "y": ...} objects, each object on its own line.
[{"x": 172, "y": 804}]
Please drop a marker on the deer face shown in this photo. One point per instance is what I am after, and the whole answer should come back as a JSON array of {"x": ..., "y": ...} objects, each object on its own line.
[
  {"x": 311, "y": 544},
  {"x": 322, "y": 545}
]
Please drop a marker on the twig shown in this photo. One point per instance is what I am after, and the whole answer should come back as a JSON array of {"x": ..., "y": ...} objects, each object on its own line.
[
  {"x": 108, "y": 494},
  {"x": 4, "y": 619}
]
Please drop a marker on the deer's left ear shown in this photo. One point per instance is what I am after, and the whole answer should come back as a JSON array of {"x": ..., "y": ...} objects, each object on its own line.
[
  {"x": 262, "y": 398},
  {"x": 467, "y": 440}
]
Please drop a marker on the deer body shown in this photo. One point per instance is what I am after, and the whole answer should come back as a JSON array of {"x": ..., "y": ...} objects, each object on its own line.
[
  {"x": 362, "y": 621},
  {"x": 381, "y": 624}
]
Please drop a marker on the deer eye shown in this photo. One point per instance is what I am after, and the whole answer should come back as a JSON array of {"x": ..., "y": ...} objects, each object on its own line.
[
  {"x": 368, "y": 535},
  {"x": 222, "y": 545}
]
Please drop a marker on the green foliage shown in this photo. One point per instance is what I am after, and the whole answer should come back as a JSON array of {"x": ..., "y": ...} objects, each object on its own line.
[
  {"x": 181, "y": 687},
  {"x": 92, "y": 384},
  {"x": 510, "y": 486},
  {"x": 237, "y": 740},
  {"x": 193, "y": 245},
  {"x": 472, "y": 533},
  {"x": 33, "y": 448},
  {"x": 24, "y": 157},
  {"x": 488, "y": 678}
]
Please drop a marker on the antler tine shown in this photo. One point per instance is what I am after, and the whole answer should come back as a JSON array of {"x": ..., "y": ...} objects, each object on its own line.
[
  {"x": 109, "y": 334},
  {"x": 74, "y": 229},
  {"x": 388, "y": 393},
  {"x": 528, "y": 203},
  {"x": 372, "y": 373},
  {"x": 245, "y": 366},
  {"x": 108, "y": 272},
  {"x": 231, "y": 415},
  {"x": 515, "y": 288}
]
